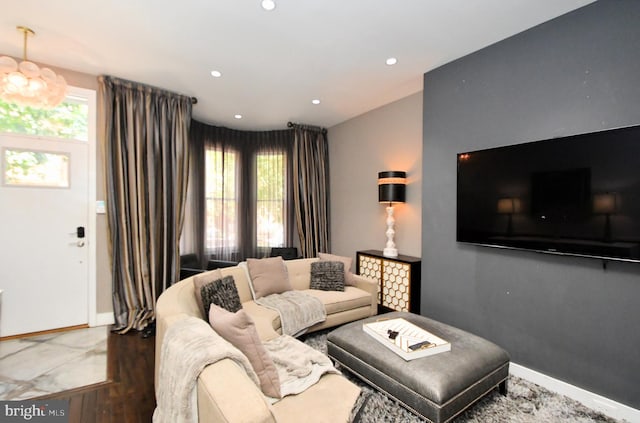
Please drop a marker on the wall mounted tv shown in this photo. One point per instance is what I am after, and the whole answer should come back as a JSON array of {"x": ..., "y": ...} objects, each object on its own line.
[{"x": 577, "y": 195}]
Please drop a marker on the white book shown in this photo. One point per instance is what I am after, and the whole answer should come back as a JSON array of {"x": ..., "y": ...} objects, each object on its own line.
[{"x": 406, "y": 339}]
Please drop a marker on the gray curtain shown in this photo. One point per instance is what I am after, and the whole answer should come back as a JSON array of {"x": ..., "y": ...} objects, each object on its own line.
[
  {"x": 146, "y": 164},
  {"x": 311, "y": 188}
]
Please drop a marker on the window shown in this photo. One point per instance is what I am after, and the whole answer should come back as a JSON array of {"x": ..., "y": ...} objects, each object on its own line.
[
  {"x": 270, "y": 199},
  {"x": 221, "y": 194},
  {"x": 69, "y": 120},
  {"x": 223, "y": 208},
  {"x": 240, "y": 202},
  {"x": 35, "y": 169}
]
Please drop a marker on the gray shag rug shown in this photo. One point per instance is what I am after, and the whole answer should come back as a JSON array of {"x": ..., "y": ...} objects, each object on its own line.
[{"x": 526, "y": 402}]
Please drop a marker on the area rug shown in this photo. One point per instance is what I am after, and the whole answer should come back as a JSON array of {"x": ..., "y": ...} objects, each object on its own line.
[{"x": 526, "y": 402}]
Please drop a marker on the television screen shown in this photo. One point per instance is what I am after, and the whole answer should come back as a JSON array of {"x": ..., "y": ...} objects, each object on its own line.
[{"x": 577, "y": 195}]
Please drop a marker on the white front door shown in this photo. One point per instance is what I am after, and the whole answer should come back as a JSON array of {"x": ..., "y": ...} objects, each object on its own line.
[{"x": 43, "y": 257}]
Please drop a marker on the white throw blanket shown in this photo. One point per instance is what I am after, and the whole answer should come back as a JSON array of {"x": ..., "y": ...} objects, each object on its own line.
[
  {"x": 299, "y": 366},
  {"x": 298, "y": 311},
  {"x": 189, "y": 345}
]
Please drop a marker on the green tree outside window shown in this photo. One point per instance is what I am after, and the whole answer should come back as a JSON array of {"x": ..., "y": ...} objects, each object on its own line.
[{"x": 67, "y": 121}]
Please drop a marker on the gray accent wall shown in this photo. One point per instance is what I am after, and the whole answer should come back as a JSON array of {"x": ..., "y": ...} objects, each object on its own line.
[{"x": 566, "y": 317}]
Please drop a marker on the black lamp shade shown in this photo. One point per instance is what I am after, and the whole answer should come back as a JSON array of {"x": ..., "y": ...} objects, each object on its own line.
[{"x": 392, "y": 186}]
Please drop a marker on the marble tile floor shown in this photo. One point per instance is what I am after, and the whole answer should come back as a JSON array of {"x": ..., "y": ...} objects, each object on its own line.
[{"x": 45, "y": 364}]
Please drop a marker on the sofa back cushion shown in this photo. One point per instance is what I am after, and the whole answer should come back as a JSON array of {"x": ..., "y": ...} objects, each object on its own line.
[
  {"x": 241, "y": 278},
  {"x": 300, "y": 272}
]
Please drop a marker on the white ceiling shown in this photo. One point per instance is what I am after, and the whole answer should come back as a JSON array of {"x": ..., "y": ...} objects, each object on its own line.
[{"x": 273, "y": 63}]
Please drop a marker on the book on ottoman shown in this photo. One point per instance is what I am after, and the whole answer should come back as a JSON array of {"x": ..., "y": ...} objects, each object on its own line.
[{"x": 406, "y": 339}]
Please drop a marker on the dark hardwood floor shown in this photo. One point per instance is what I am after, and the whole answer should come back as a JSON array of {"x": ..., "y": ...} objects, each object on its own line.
[{"x": 128, "y": 395}]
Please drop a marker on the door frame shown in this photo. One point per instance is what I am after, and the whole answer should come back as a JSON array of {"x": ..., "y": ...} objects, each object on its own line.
[{"x": 92, "y": 126}]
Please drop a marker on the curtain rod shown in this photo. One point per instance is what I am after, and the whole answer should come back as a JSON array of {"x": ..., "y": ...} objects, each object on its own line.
[
  {"x": 139, "y": 85},
  {"x": 314, "y": 128}
]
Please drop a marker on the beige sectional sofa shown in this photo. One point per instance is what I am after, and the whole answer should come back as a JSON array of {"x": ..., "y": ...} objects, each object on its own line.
[{"x": 225, "y": 393}]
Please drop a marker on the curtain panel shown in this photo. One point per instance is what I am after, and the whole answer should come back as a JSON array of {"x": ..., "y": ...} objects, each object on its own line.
[
  {"x": 146, "y": 152},
  {"x": 311, "y": 190},
  {"x": 240, "y": 196}
]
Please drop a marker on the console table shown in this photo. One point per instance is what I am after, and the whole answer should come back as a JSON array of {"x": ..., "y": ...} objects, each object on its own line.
[{"x": 399, "y": 279}]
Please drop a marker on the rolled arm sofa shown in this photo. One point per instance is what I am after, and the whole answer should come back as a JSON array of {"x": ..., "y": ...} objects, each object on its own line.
[{"x": 225, "y": 393}]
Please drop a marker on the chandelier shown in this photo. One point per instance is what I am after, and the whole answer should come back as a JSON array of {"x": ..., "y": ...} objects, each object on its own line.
[{"x": 27, "y": 84}]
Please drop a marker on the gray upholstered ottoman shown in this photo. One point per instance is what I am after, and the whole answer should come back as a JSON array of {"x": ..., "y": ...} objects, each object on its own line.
[{"x": 438, "y": 387}]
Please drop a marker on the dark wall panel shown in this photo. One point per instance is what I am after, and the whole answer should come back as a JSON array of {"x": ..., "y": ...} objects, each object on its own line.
[{"x": 566, "y": 317}]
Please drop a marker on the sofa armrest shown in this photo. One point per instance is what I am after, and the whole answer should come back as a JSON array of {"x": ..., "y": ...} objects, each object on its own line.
[
  {"x": 369, "y": 285},
  {"x": 227, "y": 394}
]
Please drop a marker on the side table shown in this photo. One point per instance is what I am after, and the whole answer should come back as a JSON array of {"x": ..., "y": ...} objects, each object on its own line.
[{"x": 399, "y": 279}]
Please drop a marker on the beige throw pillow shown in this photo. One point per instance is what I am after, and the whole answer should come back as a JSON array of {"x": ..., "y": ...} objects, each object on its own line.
[
  {"x": 268, "y": 276},
  {"x": 239, "y": 330},
  {"x": 348, "y": 280}
]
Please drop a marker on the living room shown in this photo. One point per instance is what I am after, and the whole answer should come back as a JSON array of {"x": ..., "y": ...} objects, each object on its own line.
[{"x": 574, "y": 74}]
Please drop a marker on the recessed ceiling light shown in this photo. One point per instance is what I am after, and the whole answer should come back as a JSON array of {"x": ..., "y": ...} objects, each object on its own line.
[
  {"x": 237, "y": 116},
  {"x": 392, "y": 61},
  {"x": 315, "y": 101},
  {"x": 268, "y": 5},
  {"x": 216, "y": 74}
]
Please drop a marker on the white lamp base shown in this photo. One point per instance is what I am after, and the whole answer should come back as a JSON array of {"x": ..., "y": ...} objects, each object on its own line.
[{"x": 390, "y": 250}]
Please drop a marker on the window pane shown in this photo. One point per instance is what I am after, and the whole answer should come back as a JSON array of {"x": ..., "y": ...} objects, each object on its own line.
[
  {"x": 69, "y": 120},
  {"x": 221, "y": 200},
  {"x": 36, "y": 169},
  {"x": 270, "y": 207}
]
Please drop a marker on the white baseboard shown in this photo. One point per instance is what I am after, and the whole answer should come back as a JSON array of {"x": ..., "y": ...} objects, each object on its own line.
[
  {"x": 594, "y": 401},
  {"x": 103, "y": 319}
]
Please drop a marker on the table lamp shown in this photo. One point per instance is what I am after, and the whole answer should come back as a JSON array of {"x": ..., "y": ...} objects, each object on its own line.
[{"x": 391, "y": 189}]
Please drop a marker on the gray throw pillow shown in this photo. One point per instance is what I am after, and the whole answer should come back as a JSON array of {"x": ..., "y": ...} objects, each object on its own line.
[
  {"x": 327, "y": 275},
  {"x": 223, "y": 293}
]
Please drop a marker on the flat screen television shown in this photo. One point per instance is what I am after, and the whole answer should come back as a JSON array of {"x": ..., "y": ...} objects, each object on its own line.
[{"x": 576, "y": 195}]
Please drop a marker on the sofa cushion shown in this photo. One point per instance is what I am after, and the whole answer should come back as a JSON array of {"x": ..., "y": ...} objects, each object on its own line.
[
  {"x": 267, "y": 320},
  {"x": 201, "y": 280},
  {"x": 268, "y": 276},
  {"x": 348, "y": 280},
  {"x": 239, "y": 330},
  {"x": 336, "y": 302},
  {"x": 221, "y": 292},
  {"x": 240, "y": 275},
  {"x": 327, "y": 275}
]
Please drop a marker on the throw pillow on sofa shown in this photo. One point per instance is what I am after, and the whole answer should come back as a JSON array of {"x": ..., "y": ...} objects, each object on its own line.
[
  {"x": 348, "y": 280},
  {"x": 327, "y": 275},
  {"x": 201, "y": 280},
  {"x": 268, "y": 276},
  {"x": 223, "y": 293},
  {"x": 240, "y": 331}
]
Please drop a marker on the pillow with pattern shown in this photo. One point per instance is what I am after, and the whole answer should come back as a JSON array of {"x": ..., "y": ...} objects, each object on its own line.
[
  {"x": 221, "y": 292},
  {"x": 327, "y": 275},
  {"x": 201, "y": 280},
  {"x": 348, "y": 276}
]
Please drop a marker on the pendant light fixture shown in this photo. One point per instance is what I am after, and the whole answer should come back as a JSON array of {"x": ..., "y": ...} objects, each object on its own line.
[{"x": 28, "y": 85}]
